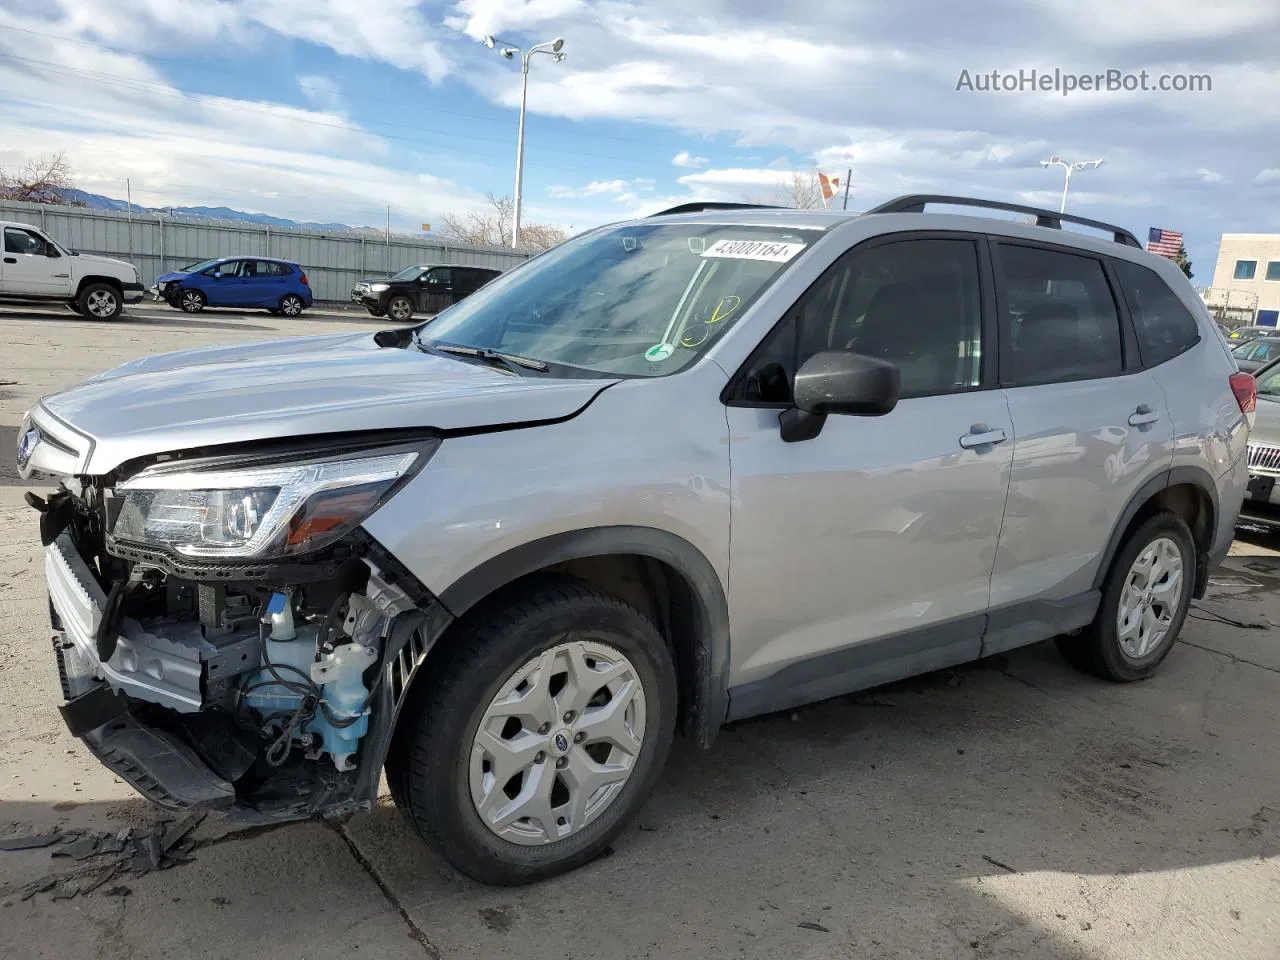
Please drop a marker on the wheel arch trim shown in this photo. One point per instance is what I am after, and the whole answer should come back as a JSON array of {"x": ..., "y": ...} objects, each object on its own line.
[
  {"x": 708, "y": 705},
  {"x": 1186, "y": 475}
]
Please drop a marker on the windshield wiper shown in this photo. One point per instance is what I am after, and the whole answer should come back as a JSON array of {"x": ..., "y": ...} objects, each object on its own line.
[{"x": 510, "y": 361}]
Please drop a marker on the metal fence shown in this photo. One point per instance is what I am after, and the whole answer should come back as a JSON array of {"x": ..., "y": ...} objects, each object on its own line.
[{"x": 157, "y": 243}]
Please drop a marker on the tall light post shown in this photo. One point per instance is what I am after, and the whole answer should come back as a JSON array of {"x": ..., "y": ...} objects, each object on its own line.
[
  {"x": 555, "y": 50},
  {"x": 1056, "y": 161}
]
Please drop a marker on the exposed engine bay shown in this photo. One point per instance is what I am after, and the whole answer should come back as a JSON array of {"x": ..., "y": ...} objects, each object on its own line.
[{"x": 270, "y": 688}]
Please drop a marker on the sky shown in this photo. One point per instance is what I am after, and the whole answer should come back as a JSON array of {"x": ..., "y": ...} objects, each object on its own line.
[{"x": 331, "y": 110}]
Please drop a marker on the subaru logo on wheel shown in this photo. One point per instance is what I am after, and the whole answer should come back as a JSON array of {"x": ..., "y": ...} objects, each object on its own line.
[
  {"x": 27, "y": 443},
  {"x": 562, "y": 742}
]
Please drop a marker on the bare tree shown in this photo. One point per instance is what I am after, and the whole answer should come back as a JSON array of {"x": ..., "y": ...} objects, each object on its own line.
[
  {"x": 492, "y": 227},
  {"x": 802, "y": 191},
  {"x": 46, "y": 179}
]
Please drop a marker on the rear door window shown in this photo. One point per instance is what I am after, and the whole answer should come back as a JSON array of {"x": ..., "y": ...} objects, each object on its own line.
[
  {"x": 1059, "y": 316},
  {"x": 1164, "y": 325}
]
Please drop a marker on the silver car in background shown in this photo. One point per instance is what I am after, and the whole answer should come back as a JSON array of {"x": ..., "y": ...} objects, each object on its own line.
[{"x": 672, "y": 473}]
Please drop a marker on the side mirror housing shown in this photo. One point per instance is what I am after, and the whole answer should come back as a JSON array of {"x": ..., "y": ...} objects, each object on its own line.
[{"x": 839, "y": 382}]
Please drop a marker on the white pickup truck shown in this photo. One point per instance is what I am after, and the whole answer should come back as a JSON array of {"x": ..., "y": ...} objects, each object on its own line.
[{"x": 35, "y": 267}]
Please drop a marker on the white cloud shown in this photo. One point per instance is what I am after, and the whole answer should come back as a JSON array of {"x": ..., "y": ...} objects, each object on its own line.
[
  {"x": 598, "y": 188},
  {"x": 322, "y": 91},
  {"x": 1211, "y": 177},
  {"x": 685, "y": 159},
  {"x": 1270, "y": 175}
]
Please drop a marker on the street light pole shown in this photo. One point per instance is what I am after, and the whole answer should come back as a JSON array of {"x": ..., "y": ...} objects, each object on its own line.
[
  {"x": 509, "y": 51},
  {"x": 1070, "y": 168}
]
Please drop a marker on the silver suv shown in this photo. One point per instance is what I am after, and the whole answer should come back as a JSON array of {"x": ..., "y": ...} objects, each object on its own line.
[{"x": 672, "y": 473}]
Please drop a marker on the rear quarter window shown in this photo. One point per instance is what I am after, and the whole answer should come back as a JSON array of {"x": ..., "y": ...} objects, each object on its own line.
[{"x": 1165, "y": 327}]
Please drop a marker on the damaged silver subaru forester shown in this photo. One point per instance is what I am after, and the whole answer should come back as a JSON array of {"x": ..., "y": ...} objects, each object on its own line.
[{"x": 492, "y": 553}]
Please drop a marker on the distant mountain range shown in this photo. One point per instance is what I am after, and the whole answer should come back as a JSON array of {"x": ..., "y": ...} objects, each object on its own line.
[{"x": 95, "y": 201}]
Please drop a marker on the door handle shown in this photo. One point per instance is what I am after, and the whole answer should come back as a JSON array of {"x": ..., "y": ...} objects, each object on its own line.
[
  {"x": 980, "y": 435},
  {"x": 61, "y": 276},
  {"x": 10, "y": 259},
  {"x": 1143, "y": 416}
]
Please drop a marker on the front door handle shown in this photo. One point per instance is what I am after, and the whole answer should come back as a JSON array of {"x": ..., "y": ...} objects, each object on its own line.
[
  {"x": 980, "y": 435},
  {"x": 1143, "y": 416},
  {"x": 61, "y": 276},
  {"x": 10, "y": 259}
]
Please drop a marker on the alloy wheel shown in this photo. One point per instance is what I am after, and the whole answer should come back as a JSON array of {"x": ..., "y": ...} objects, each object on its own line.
[
  {"x": 558, "y": 742},
  {"x": 1149, "y": 599},
  {"x": 400, "y": 309},
  {"x": 192, "y": 302},
  {"x": 101, "y": 303},
  {"x": 292, "y": 306}
]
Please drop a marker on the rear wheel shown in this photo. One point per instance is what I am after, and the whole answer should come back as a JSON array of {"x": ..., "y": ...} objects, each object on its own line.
[
  {"x": 400, "y": 308},
  {"x": 100, "y": 301},
  {"x": 543, "y": 729},
  {"x": 1144, "y": 604},
  {"x": 191, "y": 301},
  {"x": 291, "y": 305}
]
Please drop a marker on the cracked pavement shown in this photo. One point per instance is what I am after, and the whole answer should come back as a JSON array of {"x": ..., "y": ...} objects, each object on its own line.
[{"x": 1011, "y": 808}]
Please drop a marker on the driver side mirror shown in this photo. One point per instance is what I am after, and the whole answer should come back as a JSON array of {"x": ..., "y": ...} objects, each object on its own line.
[{"x": 839, "y": 382}]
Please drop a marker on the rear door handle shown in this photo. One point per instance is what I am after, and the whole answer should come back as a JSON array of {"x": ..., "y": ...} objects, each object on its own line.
[
  {"x": 1143, "y": 416},
  {"x": 980, "y": 435}
]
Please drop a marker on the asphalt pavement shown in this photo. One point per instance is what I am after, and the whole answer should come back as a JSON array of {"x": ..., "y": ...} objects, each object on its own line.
[{"x": 1012, "y": 808}]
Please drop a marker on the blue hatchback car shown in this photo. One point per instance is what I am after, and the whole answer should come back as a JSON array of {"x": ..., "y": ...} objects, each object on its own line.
[{"x": 277, "y": 286}]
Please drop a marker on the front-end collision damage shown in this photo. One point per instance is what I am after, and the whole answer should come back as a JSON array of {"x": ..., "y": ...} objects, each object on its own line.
[{"x": 266, "y": 688}]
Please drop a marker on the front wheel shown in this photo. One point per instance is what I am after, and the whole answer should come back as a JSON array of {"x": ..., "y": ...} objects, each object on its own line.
[
  {"x": 100, "y": 301},
  {"x": 400, "y": 309},
  {"x": 1144, "y": 604},
  {"x": 191, "y": 301},
  {"x": 291, "y": 305},
  {"x": 542, "y": 732}
]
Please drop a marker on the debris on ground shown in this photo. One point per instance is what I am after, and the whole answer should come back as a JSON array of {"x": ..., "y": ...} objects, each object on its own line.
[
  {"x": 166, "y": 843},
  {"x": 810, "y": 925},
  {"x": 30, "y": 843},
  {"x": 997, "y": 863}
]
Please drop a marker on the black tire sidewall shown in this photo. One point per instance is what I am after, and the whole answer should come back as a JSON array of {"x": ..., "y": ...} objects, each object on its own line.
[
  {"x": 438, "y": 784},
  {"x": 83, "y": 301},
  {"x": 1114, "y": 661}
]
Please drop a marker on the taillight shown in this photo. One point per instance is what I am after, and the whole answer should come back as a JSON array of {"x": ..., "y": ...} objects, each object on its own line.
[
  {"x": 1245, "y": 387},
  {"x": 305, "y": 281}
]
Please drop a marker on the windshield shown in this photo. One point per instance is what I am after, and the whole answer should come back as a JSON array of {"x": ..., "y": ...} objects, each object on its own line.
[
  {"x": 1242, "y": 351},
  {"x": 640, "y": 300},
  {"x": 410, "y": 273},
  {"x": 202, "y": 265}
]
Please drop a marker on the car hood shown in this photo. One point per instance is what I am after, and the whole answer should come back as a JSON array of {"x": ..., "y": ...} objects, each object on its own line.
[
  {"x": 303, "y": 386},
  {"x": 89, "y": 260},
  {"x": 172, "y": 275}
]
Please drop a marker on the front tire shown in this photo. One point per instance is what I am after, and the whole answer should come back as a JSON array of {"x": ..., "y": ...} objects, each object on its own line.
[
  {"x": 191, "y": 301},
  {"x": 291, "y": 305},
  {"x": 400, "y": 309},
  {"x": 1144, "y": 604},
  {"x": 100, "y": 301},
  {"x": 545, "y": 725}
]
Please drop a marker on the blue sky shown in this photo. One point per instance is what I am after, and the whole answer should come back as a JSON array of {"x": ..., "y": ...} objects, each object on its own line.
[{"x": 331, "y": 109}]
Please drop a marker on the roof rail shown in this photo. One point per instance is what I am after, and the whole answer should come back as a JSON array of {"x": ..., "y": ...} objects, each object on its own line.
[
  {"x": 915, "y": 203},
  {"x": 699, "y": 206}
]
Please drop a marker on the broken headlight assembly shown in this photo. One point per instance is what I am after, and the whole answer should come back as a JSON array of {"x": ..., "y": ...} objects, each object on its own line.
[{"x": 260, "y": 511}]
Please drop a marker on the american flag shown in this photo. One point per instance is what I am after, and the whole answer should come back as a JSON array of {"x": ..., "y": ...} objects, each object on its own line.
[{"x": 1167, "y": 243}]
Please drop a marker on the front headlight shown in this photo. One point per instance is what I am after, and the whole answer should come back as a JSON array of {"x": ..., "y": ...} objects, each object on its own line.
[
  {"x": 379, "y": 287},
  {"x": 273, "y": 510}
]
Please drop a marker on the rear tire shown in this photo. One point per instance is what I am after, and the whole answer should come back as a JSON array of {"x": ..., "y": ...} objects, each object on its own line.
[
  {"x": 1144, "y": 604},
  {"x": 550, "y": 647},
  {"x": 191, "y": 301},
  {"x": 292, "y": 305},
  {"x": 400, "y": 309},
  {"x": 99, "y": 301}
]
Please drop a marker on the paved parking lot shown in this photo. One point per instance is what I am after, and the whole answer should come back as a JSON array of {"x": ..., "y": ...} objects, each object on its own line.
[{"x": 1008, "y": 809}]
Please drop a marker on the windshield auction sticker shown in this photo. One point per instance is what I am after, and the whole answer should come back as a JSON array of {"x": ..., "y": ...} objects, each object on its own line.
[{"x": 753, "y": 250}]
